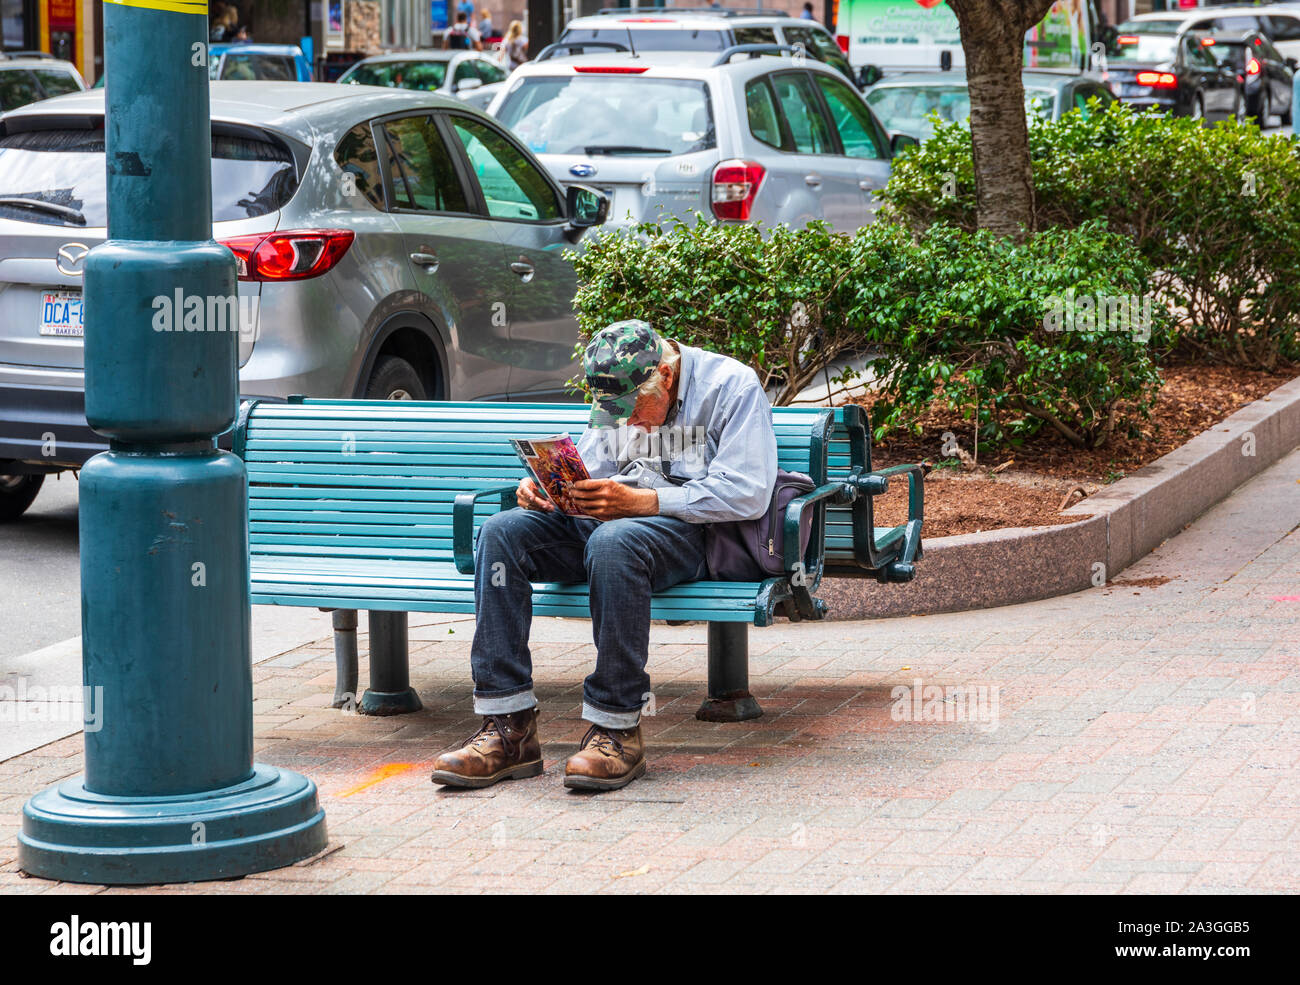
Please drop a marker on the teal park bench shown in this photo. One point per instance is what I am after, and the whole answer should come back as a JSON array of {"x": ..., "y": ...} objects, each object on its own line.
[{"x": 357, "y": 504}]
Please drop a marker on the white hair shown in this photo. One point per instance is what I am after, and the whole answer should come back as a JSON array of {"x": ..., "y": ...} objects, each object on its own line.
[{"x": 669, "y": 357}]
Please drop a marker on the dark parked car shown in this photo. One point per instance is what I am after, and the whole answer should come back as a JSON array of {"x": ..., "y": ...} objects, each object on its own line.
[
  {"x": 1172, "y": 72},
  {"x": 1264, "y": 74}
]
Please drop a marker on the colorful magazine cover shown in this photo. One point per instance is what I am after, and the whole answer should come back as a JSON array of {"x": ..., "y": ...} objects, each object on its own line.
[{"x": 555, "y": 464}]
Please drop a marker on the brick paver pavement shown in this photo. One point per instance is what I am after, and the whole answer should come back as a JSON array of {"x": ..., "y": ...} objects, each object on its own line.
[{"x": 1144, "y": 740}]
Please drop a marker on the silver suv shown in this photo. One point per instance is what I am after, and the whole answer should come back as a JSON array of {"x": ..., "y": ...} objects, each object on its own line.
[
  {"x": 750, "y": 134},
  {"x": 389, "y": 244}
]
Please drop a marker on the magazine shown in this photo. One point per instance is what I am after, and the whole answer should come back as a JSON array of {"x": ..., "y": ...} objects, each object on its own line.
[{"x": 555, "y": 465}]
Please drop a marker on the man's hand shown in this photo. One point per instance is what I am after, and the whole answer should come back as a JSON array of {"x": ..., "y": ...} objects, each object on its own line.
[
  {"x": 606, "y": 499},
  {"x": 530, "y": 497}
]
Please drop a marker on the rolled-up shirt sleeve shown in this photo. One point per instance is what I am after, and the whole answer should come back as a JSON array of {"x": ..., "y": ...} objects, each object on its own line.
[{"x": 742, "y": 472}]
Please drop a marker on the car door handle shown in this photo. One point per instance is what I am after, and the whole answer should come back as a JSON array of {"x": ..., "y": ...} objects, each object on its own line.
[
  {"x": 865, "y": 184},
  {"x": 812, "y": 180},
  {"x": 429, "y": 261},
  {"x": 524, "y": 269}
]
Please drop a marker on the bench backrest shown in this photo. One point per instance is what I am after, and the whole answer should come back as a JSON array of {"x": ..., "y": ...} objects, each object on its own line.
[{"x": 376, "y": 479}]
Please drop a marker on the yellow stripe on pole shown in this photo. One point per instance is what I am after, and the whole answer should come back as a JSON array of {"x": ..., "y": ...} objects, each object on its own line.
[{"x": 172, "y": 6}]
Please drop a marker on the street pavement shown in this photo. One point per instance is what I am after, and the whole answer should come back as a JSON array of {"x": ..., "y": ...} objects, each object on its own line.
[
  {"x": 40, "y": 576},
  {"x": 1139, "y": 737}
]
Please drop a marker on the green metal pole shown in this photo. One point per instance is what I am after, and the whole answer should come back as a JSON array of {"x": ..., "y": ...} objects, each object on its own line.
[{"x": 170, "y": 791}]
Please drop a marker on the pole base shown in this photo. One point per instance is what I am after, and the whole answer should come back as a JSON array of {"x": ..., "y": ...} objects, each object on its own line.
[
  {"x": 734, "y": 706},
  {"x": 270, "y": 820},
  {"x": 382, "y": 703}
]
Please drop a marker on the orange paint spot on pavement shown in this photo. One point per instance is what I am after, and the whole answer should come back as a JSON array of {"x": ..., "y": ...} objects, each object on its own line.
[{"x": 379, "y": 775}]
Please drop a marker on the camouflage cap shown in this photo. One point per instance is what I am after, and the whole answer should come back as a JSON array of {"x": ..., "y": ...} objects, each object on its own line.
[{"x": 619, "y": 358}]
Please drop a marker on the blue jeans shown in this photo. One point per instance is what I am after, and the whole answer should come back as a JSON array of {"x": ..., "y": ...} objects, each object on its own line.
[{"x": 624, "y": 561}]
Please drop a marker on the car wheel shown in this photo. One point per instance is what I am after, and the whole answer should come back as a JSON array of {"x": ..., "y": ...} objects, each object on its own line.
[
  {"x": 1198, "y": 107},
  {"x": 393, "y": 378},
  {"x": 16, "y": 494},
  {"x": 1265, "y": 109},
  {"x": 1286, "y": 117},
  {"x": 1240, "y": 110}
]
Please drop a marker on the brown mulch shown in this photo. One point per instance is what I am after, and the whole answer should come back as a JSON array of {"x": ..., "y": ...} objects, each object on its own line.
[{"x": 1038, "y": 476}]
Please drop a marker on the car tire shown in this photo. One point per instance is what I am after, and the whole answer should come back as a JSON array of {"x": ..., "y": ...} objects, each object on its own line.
[
  {"x": 1285, "y": 118},
  {"x": 393, "y": 378},
  {"x": 1265, "y": 109},
  {"x": 17, "y": 492},
  {"x": 1198, "y": 108}
]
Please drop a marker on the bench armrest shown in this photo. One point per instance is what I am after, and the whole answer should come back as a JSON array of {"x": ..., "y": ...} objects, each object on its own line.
[
  {"x": 896, "y": 563},
  {"x": 462, "y": 521},
  {"x": 804, "y": 572}
]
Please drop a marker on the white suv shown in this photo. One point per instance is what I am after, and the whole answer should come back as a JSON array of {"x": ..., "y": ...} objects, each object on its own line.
[
  {"x": 704, "y": 29},
  {"x": 742, "y": 136}
]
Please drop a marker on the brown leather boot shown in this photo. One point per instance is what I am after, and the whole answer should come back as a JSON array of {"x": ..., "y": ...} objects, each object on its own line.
[
  {"x": 505, "y": 747},
  {"x": 608, "y": 758}
]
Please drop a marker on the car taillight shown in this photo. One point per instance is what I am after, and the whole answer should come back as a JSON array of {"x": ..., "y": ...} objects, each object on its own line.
[
  {"x": 293, "y": 255},
  {"x": 1252, "y": 66},
  {"x": 1127, "y": 39},
  {"x": 1157, "y": 80},
  {"x": 843, "y": 41},
  {"x": 735, "y": 183},
  {"x": 612, "y": 69}
]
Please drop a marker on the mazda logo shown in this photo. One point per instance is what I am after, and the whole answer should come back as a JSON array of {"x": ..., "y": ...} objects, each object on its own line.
[{"x": 69, "y": 260}]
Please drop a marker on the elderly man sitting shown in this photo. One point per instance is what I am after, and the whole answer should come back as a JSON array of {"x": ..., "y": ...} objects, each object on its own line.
[{"x": 715, "y": 461}]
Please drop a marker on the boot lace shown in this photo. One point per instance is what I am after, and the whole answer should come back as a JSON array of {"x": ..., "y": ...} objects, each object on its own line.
[
  {"x": 493, "y": 726},
  {"x": 603, "y": 740}
]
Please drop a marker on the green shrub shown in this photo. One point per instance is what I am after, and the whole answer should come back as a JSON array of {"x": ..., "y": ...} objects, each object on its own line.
[
  {"x": 1053, "y": 332},
  {"x": 966, "y": 319},
  {"x": 1215, "y": 211},
  {"x": 774, "y": 300}
]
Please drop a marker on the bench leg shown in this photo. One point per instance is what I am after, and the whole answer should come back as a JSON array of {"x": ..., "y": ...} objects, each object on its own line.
[
  {"x": 345, "y": 658},
  {"x": 729, "y": 699},
  {"x": 390, "y": 691}
]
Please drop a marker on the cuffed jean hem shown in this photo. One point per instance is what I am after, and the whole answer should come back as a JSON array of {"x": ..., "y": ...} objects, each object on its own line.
[
  {"x": 610, "y": 719},
  {"x": 505, "y": 704}
]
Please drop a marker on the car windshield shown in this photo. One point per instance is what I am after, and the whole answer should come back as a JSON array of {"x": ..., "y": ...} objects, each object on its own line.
[
  {"x": 906, "y": 109},
  {"x": 61, "y": 172},
  {"x": 1147, "y": 48},
  {"x": 610, "y": 114},
  {"x": 18, "y": 87},
  {"x": 652, "y": 38},
  {"x": 422, "y": 75}
]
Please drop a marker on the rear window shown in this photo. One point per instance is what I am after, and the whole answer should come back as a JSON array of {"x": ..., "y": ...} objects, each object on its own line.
[
  {"x": 418, "y": 75},
  {"x": 1147, "y": 48},
  {"x": 65, "y": 170},
  {"x": 610, "y": 114},
  {"x": 273, "y": 68},
  {"x": 652, "y": 38}
]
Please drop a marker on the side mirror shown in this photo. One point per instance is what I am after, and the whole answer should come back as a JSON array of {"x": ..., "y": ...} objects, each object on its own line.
[
  {"x": 585, "y": 207},
  {"x": 868, "y": 75},
  {"x": 465, "y": 85},
  {"x": 899, "y": 143},
  {"x": 1292, "y": 64}
]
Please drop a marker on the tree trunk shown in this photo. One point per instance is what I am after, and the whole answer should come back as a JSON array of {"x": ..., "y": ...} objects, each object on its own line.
[{"x": 992, "y": 36}]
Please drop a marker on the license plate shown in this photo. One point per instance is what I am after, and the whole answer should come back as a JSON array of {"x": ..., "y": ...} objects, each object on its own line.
[{"x": 62, "y": 314}]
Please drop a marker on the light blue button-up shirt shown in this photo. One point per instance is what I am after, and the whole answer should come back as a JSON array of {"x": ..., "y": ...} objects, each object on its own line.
[{"x": 718, "y": 439}]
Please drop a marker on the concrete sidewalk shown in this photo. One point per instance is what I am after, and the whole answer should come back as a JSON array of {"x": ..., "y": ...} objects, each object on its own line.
[{"x": 1140, "y": 737}]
